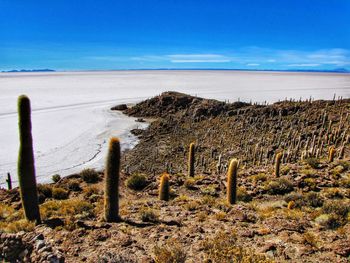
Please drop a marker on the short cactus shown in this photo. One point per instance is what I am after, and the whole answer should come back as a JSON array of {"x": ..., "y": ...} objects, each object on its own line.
[
  {"x": 111, "y": 196},
  {"x": 9, "y": 181},
  {"x": 232, "y": 182},
  {"x": 341, "y": 152},
  {"x": 164, "y": 187},
  {"x": 191, "y": 160},
  {"x": 331, "y": 154},
  {"x": 278, "y": 164},
  {"x": 26, "y": 168}
]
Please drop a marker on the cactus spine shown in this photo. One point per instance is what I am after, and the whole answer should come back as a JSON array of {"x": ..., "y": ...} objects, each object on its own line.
[
  {"x": 232, "y": 182},
  {"x": 278, "y": 164},
  {"x": 164, "y": 187},
  {"x": 26, "y": 168},
  {"x": 111, "y": 196},
  {"x": 331, "y": 154},
  {"x": 191, "y": 160}
]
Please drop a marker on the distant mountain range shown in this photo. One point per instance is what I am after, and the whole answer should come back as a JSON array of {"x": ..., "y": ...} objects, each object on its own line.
[{"x": 30, "y": 70}]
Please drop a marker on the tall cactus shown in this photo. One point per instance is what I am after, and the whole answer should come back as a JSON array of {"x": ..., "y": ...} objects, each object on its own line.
[
  {"x": 111, "y": 196},
  {"x": 26, "y": 168},
  {"x": 331, "y": 154},
  {"x": 278, "y": 164},
  {"x": 191, "y": 160},
  {"x": 9, "y": 181},
  {"x": 164, "y": 187},
  {"x": 232, "y": 182}
]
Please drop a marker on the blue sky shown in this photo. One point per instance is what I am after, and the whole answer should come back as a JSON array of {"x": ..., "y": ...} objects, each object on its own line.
[{"x": 131, "y": 34}]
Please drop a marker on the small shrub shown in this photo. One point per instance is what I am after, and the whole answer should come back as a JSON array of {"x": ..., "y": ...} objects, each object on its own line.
[
  {"x": 334, "y": 222},
  {"x": 56, "y": 178},
  {"x": 149, "y": 215},
  {"x": 224, "y": 248},
  {"x": 285, "y": 170},
  {"x": 279, "y": 186},
  {"x": 313, "y": 199},
  {"x": 170, "y": 253},
  {"x": 345, "y": 182},
  {"x": 311, "y": 239},
  {"x": 137, "y": 182},
  {"x": 202, "y": 216},
  {"x": 44, "y": 190},
  {"x": 190, "y": 183},
  {"x": 59, "y": 193},
  {"x": 311, "y": 183},
  {"x": 337, "y": 207},
  {"x": 333, "y": 193},
  {"x": 89, "y": 176},
  {"x": 210, "y": 190},
  {"x": 17, "y": 226},
  {"x": 192, "y": 206},
  {"x": 242, "y": 195},
  {"x": 260, "y": 177},
  {"x": 90, "y": 190},
  {"x": 74, "y": 185},
  {"x": 220, "y": 216},
  {"x": 66, "y": 208},
  {"x": 313, "y": 162},
  {"x": 5, "y": 211}
]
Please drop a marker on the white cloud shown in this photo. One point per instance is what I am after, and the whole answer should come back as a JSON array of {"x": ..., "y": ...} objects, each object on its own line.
[
  {"x": 198, "y": 58},
  {"x": 304, "y": 65},
  {"x": 253, "y": 64}
]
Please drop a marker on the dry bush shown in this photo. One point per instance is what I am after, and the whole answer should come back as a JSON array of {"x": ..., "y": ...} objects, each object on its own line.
[
  {"x": 59, "y": 193},
  {"x": 223, "y": 248},
  {"x": 137, "y": 181},
  {"x": 90, "y": 176},
  {"x": 172, "y": 252},
  {"x": 66, "y": 209},
  {"x": 149, "y": 215},
  {"x": 279, "y": 186}
]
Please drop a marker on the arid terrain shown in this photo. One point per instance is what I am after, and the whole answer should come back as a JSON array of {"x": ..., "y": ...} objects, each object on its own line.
[{"x": 302, "y": 215}]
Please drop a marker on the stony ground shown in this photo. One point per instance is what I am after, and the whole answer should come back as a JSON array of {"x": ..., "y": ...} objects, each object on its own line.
[{"x": 301, "y": 216}]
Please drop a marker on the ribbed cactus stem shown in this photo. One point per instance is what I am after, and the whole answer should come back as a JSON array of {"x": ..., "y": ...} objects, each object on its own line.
[
  {"x": 278, "y": 164},
  {"x": 164, "y": 187},
  {"x": 9, "y": 181},
  {"x": 111, "y": 196},
  {"x": 331, "y": 154},
  {"x": 232, "y": 181},
  {"x": 342, "y": 151},
  {"x": 191, "y": 160},
  {"x": 26, "y": 168}
]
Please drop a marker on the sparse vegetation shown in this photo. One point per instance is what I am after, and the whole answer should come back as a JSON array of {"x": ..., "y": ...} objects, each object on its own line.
[
  {"x": 279, "y": 186},
  {"x": 89, "y": 176},
  {"x": 137, "y": 181},
  {"x": 59, "y": 193}
]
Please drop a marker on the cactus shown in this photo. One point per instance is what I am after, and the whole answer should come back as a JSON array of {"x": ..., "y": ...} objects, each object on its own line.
[
  {"x": 232, "y": 182},
  {"x": 291, "y": 205},
  {"x": 191, "y": 160},
  {"x": 164, "y": 187},
  {"x": 341, "y": 152},
  {"x": 26, "y": 168},
  {"x": 111, "y": 196},
  {"x": 331, "y": 154},
  {"x": 278, "y": 164},
  {"x": 9, "y": 181}
]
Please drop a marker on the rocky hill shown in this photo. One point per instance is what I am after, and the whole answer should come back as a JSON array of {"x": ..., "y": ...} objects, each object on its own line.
[{"x": 302, "y": 215}]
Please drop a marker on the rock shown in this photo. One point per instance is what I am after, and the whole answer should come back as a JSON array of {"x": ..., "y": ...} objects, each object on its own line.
[
  {"x": 342, "y": 248},
  {"x": 54, "y": 222},
  {"x": 120, "y": 107}
]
